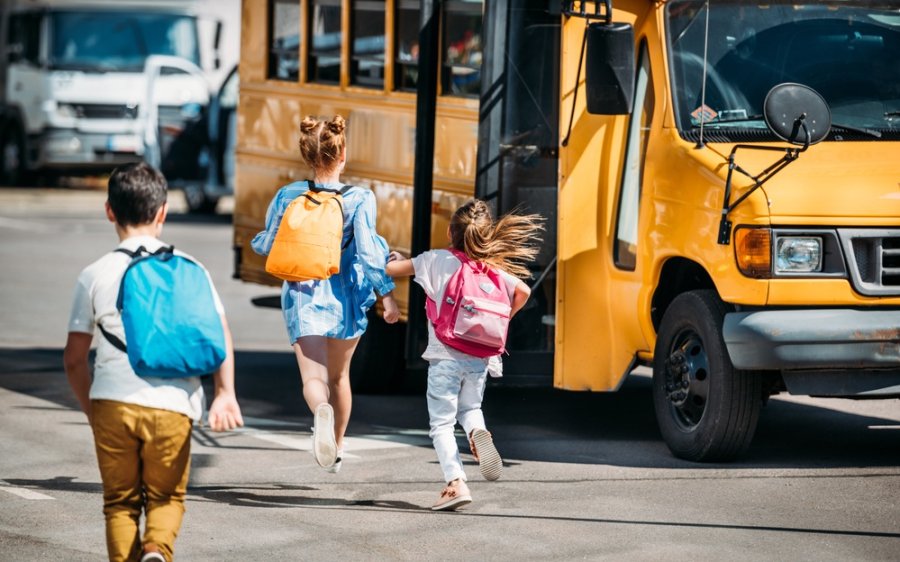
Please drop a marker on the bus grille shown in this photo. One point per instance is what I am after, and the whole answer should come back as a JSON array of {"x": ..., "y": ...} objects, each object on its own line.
[{"x": 875, "y": 264}]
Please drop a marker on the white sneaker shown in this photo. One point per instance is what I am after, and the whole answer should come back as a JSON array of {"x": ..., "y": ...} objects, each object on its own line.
[
  {"x": 153, "y": 557},
  {"x": 336, "y": 467},
  {"x": 324, "y": 447}
]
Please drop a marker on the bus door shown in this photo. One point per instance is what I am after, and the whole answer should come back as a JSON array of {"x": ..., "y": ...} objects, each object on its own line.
[
  {"x": 606, "y": 104},
  {"x": 518, "y": 157}
]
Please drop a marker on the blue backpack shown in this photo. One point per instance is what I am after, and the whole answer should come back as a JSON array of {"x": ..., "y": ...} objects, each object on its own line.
[{"x": 172, "y": 328}]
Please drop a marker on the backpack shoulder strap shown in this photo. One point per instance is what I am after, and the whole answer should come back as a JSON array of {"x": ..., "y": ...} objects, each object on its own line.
[
  {"x": 461, "y": 256},
  {"x": 115, "y": 341}
]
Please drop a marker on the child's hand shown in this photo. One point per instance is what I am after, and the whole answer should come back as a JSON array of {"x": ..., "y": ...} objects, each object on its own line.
[
  {"x": 395, "y": 256},
  {"x": 391, "y": 310},
  {"x": 224, "y": 413}
]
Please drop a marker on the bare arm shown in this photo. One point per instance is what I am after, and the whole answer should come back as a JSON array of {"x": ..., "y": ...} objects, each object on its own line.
[
  {"x": 224, "y": 412},
  {"x": 78, "y": 371},
  {"x": 398, "y": 266},
  {"x": 520, "y": 297}
]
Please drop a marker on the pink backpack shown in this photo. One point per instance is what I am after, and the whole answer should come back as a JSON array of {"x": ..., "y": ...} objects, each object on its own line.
[{"x": 474, "y": 316}]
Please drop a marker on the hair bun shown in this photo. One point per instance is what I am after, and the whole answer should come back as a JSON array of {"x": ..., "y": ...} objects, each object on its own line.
[
  {"x": 337, "y": 125},
  {"x": 309, "y": 124}
]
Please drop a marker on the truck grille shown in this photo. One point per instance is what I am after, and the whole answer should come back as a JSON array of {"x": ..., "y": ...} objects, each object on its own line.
[
  {"x": 105, "y": 111},
  {"x": 873, "y": 260}
]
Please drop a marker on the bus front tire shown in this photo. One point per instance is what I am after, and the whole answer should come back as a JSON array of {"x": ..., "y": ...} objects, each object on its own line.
[{"x": 706, "y": 409}]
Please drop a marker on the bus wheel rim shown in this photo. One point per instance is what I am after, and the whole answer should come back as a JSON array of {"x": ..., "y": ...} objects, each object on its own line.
[{"x": 687, "y": 379}]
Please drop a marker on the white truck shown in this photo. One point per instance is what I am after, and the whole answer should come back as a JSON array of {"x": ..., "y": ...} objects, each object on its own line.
[{"x": 86, "y": 85}]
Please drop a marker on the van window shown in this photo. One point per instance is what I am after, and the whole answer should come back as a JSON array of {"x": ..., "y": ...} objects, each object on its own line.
[
  {"x": 284, "y": 46},
  {"x": 324, "y": 65},
  {"x": 406, "y": 74},
  {"x": 461, "y": 74},
  {"x": 367, "y": 55},
  {"x": 632, "y": 174}
]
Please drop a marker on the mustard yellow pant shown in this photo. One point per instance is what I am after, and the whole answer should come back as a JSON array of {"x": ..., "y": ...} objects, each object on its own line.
[{"x": 144, "y": 456}]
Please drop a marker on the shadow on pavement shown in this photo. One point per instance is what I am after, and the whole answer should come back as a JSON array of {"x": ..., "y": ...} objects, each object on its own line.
[{"x": 529, "y": 424}]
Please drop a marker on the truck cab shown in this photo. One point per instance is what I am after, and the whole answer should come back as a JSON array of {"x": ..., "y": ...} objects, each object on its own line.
[{"x": 75, "y": 94}]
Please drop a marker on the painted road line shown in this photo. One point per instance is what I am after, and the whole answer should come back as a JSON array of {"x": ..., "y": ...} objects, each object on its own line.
[
  {"x": 352, "y": 444},
  {"x": 23, "y": 492}
]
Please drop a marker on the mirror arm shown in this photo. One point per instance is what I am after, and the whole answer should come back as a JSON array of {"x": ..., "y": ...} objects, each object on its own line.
[{"x": 790, "y": 154}]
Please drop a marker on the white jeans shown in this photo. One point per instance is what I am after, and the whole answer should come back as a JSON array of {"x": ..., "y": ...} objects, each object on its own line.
[{"x": 455, "y": 390}]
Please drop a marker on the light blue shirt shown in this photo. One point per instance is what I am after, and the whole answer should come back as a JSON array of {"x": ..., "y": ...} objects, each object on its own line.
[{"x": 335, "y": 307}]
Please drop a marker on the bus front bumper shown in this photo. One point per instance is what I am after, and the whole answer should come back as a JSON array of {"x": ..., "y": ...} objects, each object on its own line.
[{"x": 832, "y": 352}]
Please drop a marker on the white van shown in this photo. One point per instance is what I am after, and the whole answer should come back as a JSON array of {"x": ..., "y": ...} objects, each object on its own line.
[{"x": 76, "y": 88}]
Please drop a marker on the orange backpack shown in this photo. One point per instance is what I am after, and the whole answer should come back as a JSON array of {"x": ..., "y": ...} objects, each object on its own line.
[{"x": 308, "y": 242}]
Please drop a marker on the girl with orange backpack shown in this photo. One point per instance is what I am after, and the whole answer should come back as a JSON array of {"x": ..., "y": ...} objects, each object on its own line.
[
  {"x": 472, "y": 289},
  {"x": 332, "y": 270}
]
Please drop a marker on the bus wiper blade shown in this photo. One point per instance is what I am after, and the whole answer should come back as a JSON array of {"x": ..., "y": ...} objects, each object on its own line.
[
  {"x": 715, "y": 122},
  {"x": 870, "y": 132},
  {"x": 738, "y": 119}
]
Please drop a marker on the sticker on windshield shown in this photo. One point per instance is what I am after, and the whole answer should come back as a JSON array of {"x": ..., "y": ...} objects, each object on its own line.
[{"x": 703, "y": 112}]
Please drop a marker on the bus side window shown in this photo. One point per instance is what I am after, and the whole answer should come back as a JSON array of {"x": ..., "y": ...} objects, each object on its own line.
[
  {"x": 367, "y": 47},
  {"x": 461, "y": 73},
  {"x": 406, "y": 58},
  {"x": 324, "y": 64},
  {"x": 284, "y": 46},
  {"x": 625, "y": 250}
]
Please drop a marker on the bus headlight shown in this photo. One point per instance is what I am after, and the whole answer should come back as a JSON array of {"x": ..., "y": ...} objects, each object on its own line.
[
  {"x": 798, "y": 254},
  {"x": 753, "y": 252}
]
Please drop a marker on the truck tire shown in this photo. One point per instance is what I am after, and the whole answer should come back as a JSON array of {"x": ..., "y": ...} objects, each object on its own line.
[
  {"x": 12, "y": 155},
  {"x": 198, "y": 201},
  {"x": 706, "y": 409}
]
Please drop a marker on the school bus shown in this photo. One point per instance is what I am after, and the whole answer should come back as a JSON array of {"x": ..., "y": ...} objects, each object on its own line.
[{"x": 720, "y": 181}]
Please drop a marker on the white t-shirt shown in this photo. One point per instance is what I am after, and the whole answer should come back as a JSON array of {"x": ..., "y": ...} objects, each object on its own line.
[
  {"x": 114, "y": 379},
  {"x": 433, "y": 271}
]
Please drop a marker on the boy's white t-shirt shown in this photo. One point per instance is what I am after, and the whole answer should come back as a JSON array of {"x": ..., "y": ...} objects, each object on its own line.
[
  {"x": 433, "y": 271},
  {"x": 94, "y": 302}
]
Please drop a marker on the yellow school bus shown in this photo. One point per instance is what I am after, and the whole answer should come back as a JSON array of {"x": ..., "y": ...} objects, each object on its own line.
[{"x": 720, "y": 180}]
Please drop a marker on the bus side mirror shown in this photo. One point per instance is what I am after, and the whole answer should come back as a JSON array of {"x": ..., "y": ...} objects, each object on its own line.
[
  {"x": 609, "y": 77},
  {"x": 797, "y": 114}
]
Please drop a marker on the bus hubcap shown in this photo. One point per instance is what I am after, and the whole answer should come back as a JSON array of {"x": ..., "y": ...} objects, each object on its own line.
[{"x": 687, "y": 379}]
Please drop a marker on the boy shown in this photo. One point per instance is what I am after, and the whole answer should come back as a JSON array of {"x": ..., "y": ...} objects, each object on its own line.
[{"x": 142, "y": 426}]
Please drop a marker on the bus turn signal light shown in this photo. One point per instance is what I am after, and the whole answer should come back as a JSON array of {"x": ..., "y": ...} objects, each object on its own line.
[{"x": 753, "y": 251}]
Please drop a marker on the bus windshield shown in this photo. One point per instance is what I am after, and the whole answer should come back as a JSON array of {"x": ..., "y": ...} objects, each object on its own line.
[
  {"x": 846, "y": 51},
  {"x": 119, "y": 41}
]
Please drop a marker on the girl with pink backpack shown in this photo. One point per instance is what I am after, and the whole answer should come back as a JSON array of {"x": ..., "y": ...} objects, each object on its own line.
[{"x": 472, "y": 289}]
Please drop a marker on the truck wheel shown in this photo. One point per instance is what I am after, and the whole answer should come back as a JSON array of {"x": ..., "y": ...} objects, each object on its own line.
[
  {"x": 12, "y": 156},
  {"x": 706, "y": 409},
  {"x": 198, "y": 201}
]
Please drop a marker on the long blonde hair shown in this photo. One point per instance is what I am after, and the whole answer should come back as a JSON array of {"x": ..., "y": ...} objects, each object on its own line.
[
  {"x": 322, "y": 142},
  {"x": 508, "y": 243}
]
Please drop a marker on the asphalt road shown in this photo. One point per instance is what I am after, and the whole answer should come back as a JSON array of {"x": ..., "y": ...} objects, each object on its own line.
[{"x": 586, "y": 475}]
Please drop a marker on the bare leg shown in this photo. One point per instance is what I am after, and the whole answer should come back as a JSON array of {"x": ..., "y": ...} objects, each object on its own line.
[
  {"x": 339, "y": 354},
  {"x": 312, "y": 358}
]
